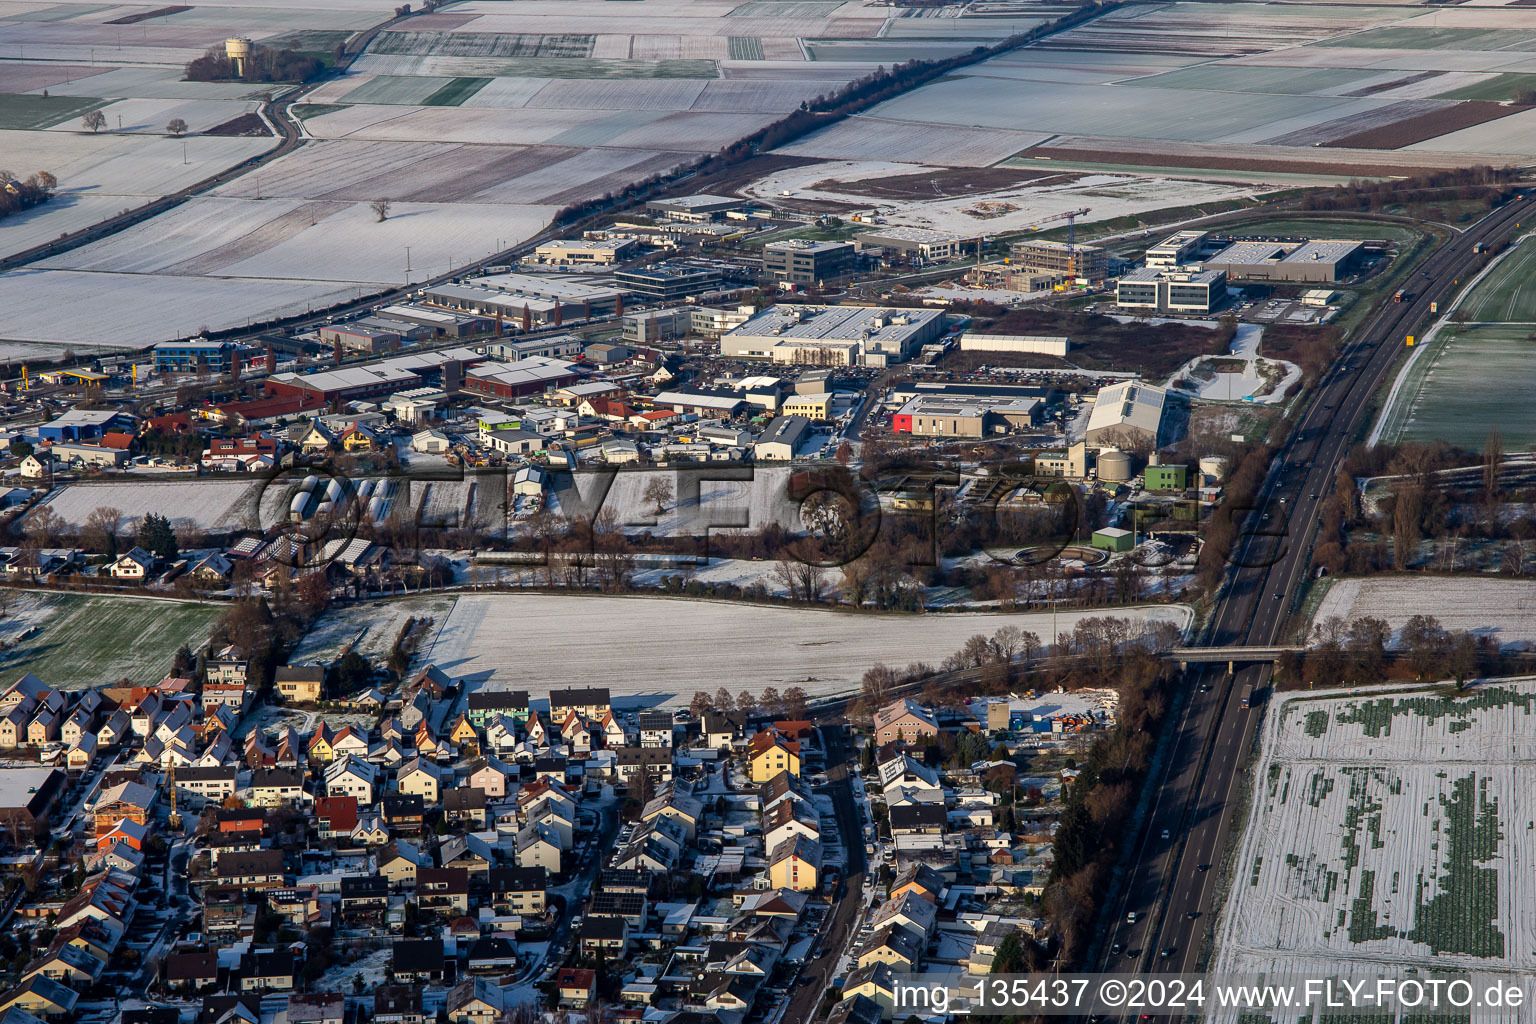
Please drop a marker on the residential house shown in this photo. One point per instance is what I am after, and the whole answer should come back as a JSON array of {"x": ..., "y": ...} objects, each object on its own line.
[
  {"x": 299, "y": 684},
  {"x": 768, "y": 755},
  {"x": 904, "y": 721}
]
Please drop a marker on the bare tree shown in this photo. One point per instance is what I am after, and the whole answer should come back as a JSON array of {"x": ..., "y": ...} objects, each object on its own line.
[
  {"x": 658, "y": 491},
  {"x": 1493, "y": 458},
  {"x": 176, "y": 127},
  {"x": 771, "y": 701},
  {"x": 95, "y": 121},
  {"x": 102, "y": 527},
  {"x": 796, "y": 705},
  {"x": 879, "y": 679},
  {"x": 380, "y": 208},
  {"x": 43, "y": 526},
  {"x": 723, "y": 699},
  {"x": 745, "y": 701}
]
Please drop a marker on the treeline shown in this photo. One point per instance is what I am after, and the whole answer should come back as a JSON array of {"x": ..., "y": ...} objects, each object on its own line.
[
  {"x": 263, "y": 65},
  {"x": 1355, "y": 652},
  {"x": 17, "y": 194},
  {"x": 1226, "y": 526},
  {"x": 1489, "y": 184}
]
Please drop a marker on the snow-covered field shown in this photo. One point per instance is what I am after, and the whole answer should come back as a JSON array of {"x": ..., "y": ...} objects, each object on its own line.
[
  {"x": 374, "y": 632},
  {"x": 657, "y": 651},
  {"x": 205, "y": 504},
  {"x": 1014, "y": 208},
  {"x": 1504, "y": 609},
  {"x": 1390, "y": 831},
  {"x": 737, "y": 498}
]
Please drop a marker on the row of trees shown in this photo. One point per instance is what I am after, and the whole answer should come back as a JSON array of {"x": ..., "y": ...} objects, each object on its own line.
[
  {"x": 1356, "y": 651},
  {"x": 263, "y": 65},
  {"x": 793, "y": 703},
  {"x": 1489, "y": 184}
]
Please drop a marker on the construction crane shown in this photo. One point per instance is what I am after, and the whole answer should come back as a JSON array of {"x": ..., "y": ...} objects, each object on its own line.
[{"x": 1071, "y": 218}]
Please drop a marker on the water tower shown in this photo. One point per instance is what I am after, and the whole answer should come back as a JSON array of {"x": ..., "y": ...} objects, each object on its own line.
[{"x": 238, "y": 51}]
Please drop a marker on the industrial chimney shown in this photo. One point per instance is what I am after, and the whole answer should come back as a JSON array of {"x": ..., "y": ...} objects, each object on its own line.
[{"x": 271, "y": 359}]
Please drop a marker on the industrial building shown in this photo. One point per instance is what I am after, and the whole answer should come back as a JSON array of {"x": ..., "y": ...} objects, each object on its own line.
[
  {"x": 1177, "y": 249},
  {"x": 1036, "y": 344},
  {"x": 781, "y": 438},
  {"x": 914, "y": 243},
  {"x": 553, "y": 346},
  {"x": 802, "y": 261},
  {"x": 834, "y": 335},
  {"x": 1128, "y": 415},
  {"x": 907, "y": 390},
  {"x": 1181, "y": 289},
  {"x": 1322, "y": 261},
  {"x": 359, "y": 337},
  {"x": 586, "y": 251},
  {"x": 531, "y": 376},
  {"x": 957, "y": 416},
  {"x": 517, "y": 297},
  {"x": 713, "y": 321},
  {"x": 697, "y": 209},
  {"x": 668, "y": 282},
  {"x": 1171, "y": 477},
  {"x": 372, "y": 380},
  {"x": 699, "y": 401},
  {"x": 1075, "y": 262},
  {"x": 448, "y": 325}
]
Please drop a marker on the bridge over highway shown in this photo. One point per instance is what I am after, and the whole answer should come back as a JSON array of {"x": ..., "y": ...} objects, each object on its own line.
[{"x": 1232, "y": 655}]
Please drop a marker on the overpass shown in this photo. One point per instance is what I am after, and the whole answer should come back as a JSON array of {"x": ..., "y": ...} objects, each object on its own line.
[{"x": 1186, "y": 656}]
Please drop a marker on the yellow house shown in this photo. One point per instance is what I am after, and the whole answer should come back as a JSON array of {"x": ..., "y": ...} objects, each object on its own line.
[
  {"x": 417, "y": 778},
  {"x": 817, "y": 406},
  {"x": 462, "y": 732},
  {"x": 795, "y": 864},
  {"x": 769, "y": 755},
  {"x": 320, "y": 748}
]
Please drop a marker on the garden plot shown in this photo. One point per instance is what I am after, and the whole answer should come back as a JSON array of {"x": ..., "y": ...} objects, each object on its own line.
[
  {"x": 641, "y": 647},
  {"x": 215, "y": 506},
  {"x": 98, "y": 640},
  {"x": 1501, "y": 609},
  {"x": 373, "y": 632},
  {"x": 63, "y": 306},
  {"x": 1390, "y": 830}
]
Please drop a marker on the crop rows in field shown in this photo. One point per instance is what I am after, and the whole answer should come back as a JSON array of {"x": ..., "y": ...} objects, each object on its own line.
[
  {"x": 483, "y": 44},
  {"x": 1390, "y": 829}
]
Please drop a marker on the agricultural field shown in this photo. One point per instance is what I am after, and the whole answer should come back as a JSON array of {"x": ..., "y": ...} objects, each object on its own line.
[
  {"x": 1392, "y": 828},
  {"x": 213, "y": 505},
  {"x": 21, "y": 111},
  {"x": 371, "y": 633},
  {"x": 1467, "y": 377},
  {"x": 97, "y": 640},
  {"x": 1501, "y": 609},
  {"x": 511, "y": 642}
]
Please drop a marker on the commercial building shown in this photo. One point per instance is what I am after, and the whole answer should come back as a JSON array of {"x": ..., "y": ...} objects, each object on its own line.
[
  {"x": 373, "y": 380},
  {"x": 525, "y": 297},
  {"x": 654, "y": 325},
  {"x": 27, "y": 795},
  {"x": 1322, "y": 260},
  {"x": 713, "y": 321},
  {"x": 1165, "y": 478},
  {"x": 531, "y": 376},
  {"x": 1035, "y": 344},
  {"x": 588, "y": 251},
  {"x": 553, "y": 346},
  {"x": 834, "y": 335},
  {"x": 960, "y": 416},
  {"x": 802, "y": 261},
  {"x": 780, "y": 440},
  {"x": 697, "y": 209},
  {"x": 82, "y": 424},
  {"x": 816, "y": 406},
  {"x": 447, "y": 325},
  {"x": 908, "y": 390},
  {"x": 1177, "y": 249},
  {"x": 915, "y": 243},
  {"x": 359, "y": 337},
  {"x": 198, "y": 356},
  {"x": 668, "y": 282},
  {"x": 1174, "y": 289},
  {"x": 1086, "y": 262},
  {"x": 1128, "y": 415},
  {"x": 1113, "y": 538}
]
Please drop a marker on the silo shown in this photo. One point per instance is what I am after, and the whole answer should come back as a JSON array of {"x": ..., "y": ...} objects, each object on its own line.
[
  {"x": 1115, "y": 467},
  {"x": 1213, "y": 468}
]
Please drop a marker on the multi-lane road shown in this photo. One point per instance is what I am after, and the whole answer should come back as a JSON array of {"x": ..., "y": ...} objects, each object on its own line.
[{"x": 1171, "y": 879}]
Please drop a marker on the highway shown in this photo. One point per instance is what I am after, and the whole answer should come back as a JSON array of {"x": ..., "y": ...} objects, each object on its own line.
[{"x": 1171, "y": 878}]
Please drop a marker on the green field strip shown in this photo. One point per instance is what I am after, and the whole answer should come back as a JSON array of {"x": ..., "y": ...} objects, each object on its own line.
[{"x": 456, "y": 92}]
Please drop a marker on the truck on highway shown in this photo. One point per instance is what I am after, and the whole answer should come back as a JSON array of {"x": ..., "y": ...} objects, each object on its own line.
[
  {"x": 1248, "y": 696},
  {"x": 1400, "y": 296},
  {"x": 1434, "y": 307}
]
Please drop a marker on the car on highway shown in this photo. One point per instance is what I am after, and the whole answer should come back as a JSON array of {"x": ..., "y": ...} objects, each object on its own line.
[
  {"x": 1130, "y": 918},
  {"x": 1202, "y": 867},
  {"x": 1167, "y": 834},
  {"x": 1166, "y": 952}
]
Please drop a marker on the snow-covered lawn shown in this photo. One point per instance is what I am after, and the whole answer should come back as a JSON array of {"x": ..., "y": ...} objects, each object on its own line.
[
  {"x": 206, "y": 504},
  {"x": 375, "y": 630},
  {"x": 1390, "y": 830},
  {"x": 1504, "y": 609},
  {"x": 658, "y": 651}
]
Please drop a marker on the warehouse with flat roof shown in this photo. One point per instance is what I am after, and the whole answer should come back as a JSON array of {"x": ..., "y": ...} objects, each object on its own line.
[
  {"x": 834, "y": 335},
  {"x": 919, "y": 243},
  {"x": 1320, "y": 260},
  {"x": 586, "y": 251}
]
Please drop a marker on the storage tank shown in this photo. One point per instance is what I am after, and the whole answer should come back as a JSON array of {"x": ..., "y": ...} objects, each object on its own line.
[
  {"x": 1115, "y": 467},
  {"x": 239, "y": 52},
  {"x": 1213, "y": 468}
]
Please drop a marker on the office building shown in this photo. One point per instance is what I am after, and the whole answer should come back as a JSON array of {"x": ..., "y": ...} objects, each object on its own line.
[
  {"x": 1086, "y": 262},
  {"x": 1174, "y": 289},
  {"x": 801, "y": 261}
]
